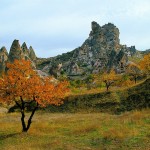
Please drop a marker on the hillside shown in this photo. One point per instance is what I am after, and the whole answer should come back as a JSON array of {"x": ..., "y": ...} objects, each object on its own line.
[
  {"x": 114, "y": 101},
  {"x": 137, "y": 97}
]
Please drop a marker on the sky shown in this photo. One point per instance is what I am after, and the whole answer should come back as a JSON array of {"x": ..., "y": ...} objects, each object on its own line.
[{"x": 54, "y": 27}]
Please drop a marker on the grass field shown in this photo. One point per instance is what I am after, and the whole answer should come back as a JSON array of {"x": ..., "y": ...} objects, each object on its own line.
[{"x": 93, "y": 131}]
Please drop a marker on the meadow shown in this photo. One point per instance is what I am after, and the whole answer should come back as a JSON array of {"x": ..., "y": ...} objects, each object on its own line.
[{"x": 77, "y": 131}]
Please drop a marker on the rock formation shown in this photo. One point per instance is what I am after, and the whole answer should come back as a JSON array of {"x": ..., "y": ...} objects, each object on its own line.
[
  {"x": 101, "y": 50},
  {"x": 32, "y": 54},
  {"x": 3, "y": 59},
  {"x": 25, "y": 51},
  {"x": 16, "y": 52}
]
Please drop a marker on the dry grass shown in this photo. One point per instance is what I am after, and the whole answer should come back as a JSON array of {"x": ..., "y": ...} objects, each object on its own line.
[{"x": 94, "y": 131}]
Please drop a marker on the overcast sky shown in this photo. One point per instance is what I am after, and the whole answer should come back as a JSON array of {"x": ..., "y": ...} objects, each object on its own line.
[{"x": 56, "y": 26}]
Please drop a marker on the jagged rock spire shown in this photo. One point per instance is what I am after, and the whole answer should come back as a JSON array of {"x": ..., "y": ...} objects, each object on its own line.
[
  {"x": 4, "y": 50},
  {"x": 32, "y": 54},
  {"x": 15, "y": 51},
  {"x": 95, "y": 27},
  {"x": 25, "y": 49}
]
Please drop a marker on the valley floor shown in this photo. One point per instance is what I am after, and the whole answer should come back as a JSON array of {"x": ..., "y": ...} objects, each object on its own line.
[{"x": 93, "y": 131}]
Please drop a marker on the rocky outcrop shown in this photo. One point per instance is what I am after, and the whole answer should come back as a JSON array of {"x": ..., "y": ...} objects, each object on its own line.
[
  {"x": 101, "y": 50},
  {"x": 3, "y": 59},
  {"x": 17, "y": 52},
  {"x": 102, "y": 43}
]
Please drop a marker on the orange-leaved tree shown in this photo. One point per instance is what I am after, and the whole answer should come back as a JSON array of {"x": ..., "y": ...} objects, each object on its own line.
[
  {"x": 23, "y": 86},
  {"x": 145, "y": 64},
  {"x": 109, "y": 78}
]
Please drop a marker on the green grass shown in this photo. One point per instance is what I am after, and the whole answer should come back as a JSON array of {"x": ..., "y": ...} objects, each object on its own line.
[{"x": 93, "y": 131}]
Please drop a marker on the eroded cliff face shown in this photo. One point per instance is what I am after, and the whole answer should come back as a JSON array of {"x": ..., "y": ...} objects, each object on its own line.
[
  {"x": 101, "y": 50},
  {"x": 95, "y": 52}
]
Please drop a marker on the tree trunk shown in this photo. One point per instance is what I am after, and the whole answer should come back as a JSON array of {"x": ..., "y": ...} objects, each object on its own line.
[
  {"x": 135, "y": 80},
  {"x": 23, "y": 121},
  {"x": 22, "y": 108},
  {"x": 23, "y": 115},
  {"x": 25, "y": 127},
  {"x": 107, "y": 86},
  {"x": 30, "y": 119}
]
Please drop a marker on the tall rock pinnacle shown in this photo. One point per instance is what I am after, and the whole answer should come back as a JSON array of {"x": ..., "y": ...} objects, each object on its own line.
[
  {"x": 15, "y": 51},
  {"x": 3, "y": 59},
  {"x": 25, "y": 49},
  {"x": 32, "y": 54}
]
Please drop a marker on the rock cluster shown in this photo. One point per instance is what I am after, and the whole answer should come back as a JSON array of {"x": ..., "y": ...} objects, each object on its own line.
[
  {"x": 100, "y": 51},
  {"x": 16, "y": 52}
]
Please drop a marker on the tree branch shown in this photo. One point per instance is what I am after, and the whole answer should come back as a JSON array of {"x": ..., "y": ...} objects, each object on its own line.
[{"x": 18, "y": 104}]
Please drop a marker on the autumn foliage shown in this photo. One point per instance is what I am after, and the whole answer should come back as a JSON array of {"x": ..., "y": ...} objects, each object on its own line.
[
  {"x": 145, "y": 64},
  {"x": 23, "y": 86},
  {"x": 109, "y": 78},
  {"x": 134, "y": 71}
]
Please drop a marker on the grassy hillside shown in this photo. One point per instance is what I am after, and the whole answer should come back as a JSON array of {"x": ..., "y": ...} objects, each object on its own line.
[
  {"x": 115, "y": 101},
  {"x": 92, "y": 131},
  {"x": 86, "y": 127},
  {"x": 137, "y": 97}
]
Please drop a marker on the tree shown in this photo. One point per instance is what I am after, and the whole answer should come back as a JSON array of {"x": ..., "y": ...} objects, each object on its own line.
[
  {"x": 109, "y": 78},
  {"x": 125, "y": 80},
  {"x": 134, "y": 71},
  {"x": 145, "y": 64},
  {"x": 23, "y": 86},
  {"x": 89, "y": 80}
]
